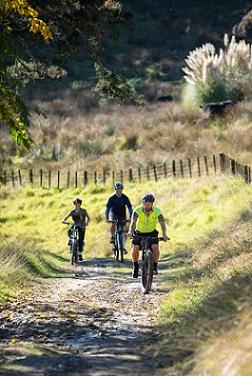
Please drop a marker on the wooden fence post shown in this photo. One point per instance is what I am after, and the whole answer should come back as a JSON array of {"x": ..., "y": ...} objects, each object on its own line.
[
  {"x": 148, "y": 173},
  {"x": 174, "y": 168},
  {"x": 130, "y": 174},
  {"x": 214, "y": 164},
  {"x": 155, "y": 172},
  {"x": 76, "y": 179},
  {"x": 181, "y": 168},
  {"x": 41, "y": 177},
  {"x": 68, "y": 179},
  {"x": 165, "y": 170},
  {"x": 139, "y": 174},
  {"x": 58, "y": 179},
  {"x": 233, "y": 167},
  {"x": 104, "y": 176},
  {"x": 85, "y": 177},
  {"x": 31, "y": 176},
  {"x": 198, "y": 164},
  {"x": 95, "y": 177},
  {"x": 49, "y": 178},
  {"x": 190, "y": 167},
  {"x": 20, "y": 178},
  {"x": 206, "y": 165},
  {"x": 222, "y": 162},
  {"x": 246, "y": 174},
  {"x": 13, "y": 178}
]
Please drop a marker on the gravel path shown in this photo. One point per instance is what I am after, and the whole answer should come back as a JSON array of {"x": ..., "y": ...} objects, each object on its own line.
[{"x": 97, "y": 324}]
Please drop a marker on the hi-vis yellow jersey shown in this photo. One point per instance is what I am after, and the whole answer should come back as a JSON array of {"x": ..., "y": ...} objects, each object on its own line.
[{"x": 146, "y": 223}]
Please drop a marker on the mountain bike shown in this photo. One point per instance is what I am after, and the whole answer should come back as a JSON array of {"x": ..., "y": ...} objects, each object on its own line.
[
  {"x": 147, "y": 261},
  {"x": 73, "y": 243},
  {"x": 119, "y": 239}
]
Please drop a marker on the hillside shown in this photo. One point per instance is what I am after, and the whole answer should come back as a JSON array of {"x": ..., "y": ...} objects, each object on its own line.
[{"x": 205, "y": 268}]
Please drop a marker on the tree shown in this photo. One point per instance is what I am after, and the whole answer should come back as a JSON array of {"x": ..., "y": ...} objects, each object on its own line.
[{"x": 62, "y": 28}]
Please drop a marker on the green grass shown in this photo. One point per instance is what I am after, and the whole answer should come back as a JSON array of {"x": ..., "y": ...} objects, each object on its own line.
[{"x": 206, "y": 266}]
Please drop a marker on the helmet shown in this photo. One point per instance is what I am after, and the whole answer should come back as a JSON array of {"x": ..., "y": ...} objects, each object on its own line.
[
  {"x": 148, "y": 197},
  {"x": 118, "y": 186},
  {"x": 77, "y": 201}
]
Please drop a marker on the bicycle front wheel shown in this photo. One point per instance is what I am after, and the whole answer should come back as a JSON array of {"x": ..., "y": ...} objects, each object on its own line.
[
  {"x": 75, "y": 252},
  {"x": 147, "y": 272}
]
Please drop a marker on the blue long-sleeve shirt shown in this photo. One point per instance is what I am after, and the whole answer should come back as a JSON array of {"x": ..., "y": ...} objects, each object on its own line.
[{"x": 117, "y": 206}]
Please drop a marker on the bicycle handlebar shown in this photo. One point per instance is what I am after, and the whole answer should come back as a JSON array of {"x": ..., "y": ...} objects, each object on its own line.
[
  {"x": 119, "y": 221},
  {"x": 161, "y": 238}
]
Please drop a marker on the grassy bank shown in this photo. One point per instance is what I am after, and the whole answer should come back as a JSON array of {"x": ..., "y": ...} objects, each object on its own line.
[{"x": 209, "y": 258}]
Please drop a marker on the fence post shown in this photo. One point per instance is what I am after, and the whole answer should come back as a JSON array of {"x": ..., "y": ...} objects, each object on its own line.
[
  {"x": 148, "y": 172},
  {"x": 41, "y": 177},
  {"x": 155, "y": 172},
  {"x": 139, "y": 174},
  {"x": 85, "y": 178},
  {"x": 68, "y": 179},
  {"x": 130, "y": 174},
  {"x": 31, "y": 176},
  {"x": 214, "y": 164},
  {"x": 206, "y": 164},
  {"x": 190, "y": 166},
  {"x": 246, "y": 174},
  {"x": 95, "y": 177},
  {"x": 20, "y": 178},
  {"x": 222, "y": 162},
  {"x": 165, "y": 170},
  {"x": 58, "y": 179},
  {"x": 233, "y": 167},
  {"x": 104, "y": 176},
  {"x": 13, "y": 178},
  {"x": 76, "y": 179},
  {"x": 181, "y": 168},
  {"x": 49, "y": 178},
  {"x": 174, "y": 168},
  {"x": 198, "y": 164}
]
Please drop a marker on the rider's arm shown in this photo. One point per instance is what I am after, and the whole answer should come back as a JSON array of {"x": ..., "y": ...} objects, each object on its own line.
[
  {"x": 129, "y": 206},
  {"x": 66, "y": 217},
  {"x": 133, "y": 224},
  {"x": 108, "y": 207},
  {"x": 87, "y": 218},
  {"x": 162, "y": 224}
]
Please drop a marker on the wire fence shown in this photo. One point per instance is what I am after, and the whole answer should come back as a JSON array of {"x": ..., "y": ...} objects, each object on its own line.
[{"x": 182, "y": 168}]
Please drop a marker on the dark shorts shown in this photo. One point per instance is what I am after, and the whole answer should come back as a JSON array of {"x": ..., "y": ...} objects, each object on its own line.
[{"x": 137, "y": 241}]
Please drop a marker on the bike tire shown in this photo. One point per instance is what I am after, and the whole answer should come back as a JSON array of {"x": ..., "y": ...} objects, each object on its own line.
[
  {"x": 147, "y": 272},
  {"x": 121, "y": 247},
  {"x": 116, "y": 252},
  {"x": 74, "y": 259}
]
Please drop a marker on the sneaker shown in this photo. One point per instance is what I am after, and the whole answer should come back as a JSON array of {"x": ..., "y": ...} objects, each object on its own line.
[
  {"x": 80, "y": 257},
  {"x": 135, "y": 271}
]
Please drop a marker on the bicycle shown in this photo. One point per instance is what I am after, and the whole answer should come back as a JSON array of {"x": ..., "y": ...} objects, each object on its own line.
[
  {"x": 73, "y": 242},
  {"x": 147, "y": 261},
  {"x": 119, "y": 245}
]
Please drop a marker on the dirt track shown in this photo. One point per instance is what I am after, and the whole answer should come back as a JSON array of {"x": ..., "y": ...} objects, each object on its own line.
[{"x": 95, "y": 325}]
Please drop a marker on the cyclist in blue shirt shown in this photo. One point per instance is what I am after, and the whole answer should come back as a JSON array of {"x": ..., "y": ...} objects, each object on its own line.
[{"x": 116, "y": 207}]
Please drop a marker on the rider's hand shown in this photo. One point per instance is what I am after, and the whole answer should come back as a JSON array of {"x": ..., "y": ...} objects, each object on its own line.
[{"x": 166, "y": 238}]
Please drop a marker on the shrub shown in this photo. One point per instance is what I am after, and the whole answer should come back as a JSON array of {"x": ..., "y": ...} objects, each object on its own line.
[{"x": 215, "y": 76}]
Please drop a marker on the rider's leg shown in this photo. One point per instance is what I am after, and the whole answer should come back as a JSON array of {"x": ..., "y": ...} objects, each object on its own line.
[
  {"x": 155, "y": 251},
  {"x": 135, "y": 257}
]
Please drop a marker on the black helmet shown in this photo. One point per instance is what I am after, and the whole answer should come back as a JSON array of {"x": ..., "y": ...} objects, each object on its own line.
[
  {"x": 148, "y": 198},
  {"x": 77, "y": 201},
  {"x": 118, "y": 186}
]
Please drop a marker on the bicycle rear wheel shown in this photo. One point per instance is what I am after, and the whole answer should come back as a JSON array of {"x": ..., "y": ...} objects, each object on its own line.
[{"x": 147, "y": 272}]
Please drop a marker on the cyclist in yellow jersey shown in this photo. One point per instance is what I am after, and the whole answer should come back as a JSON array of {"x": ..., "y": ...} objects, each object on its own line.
[{"x": 143, "y": 222}]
